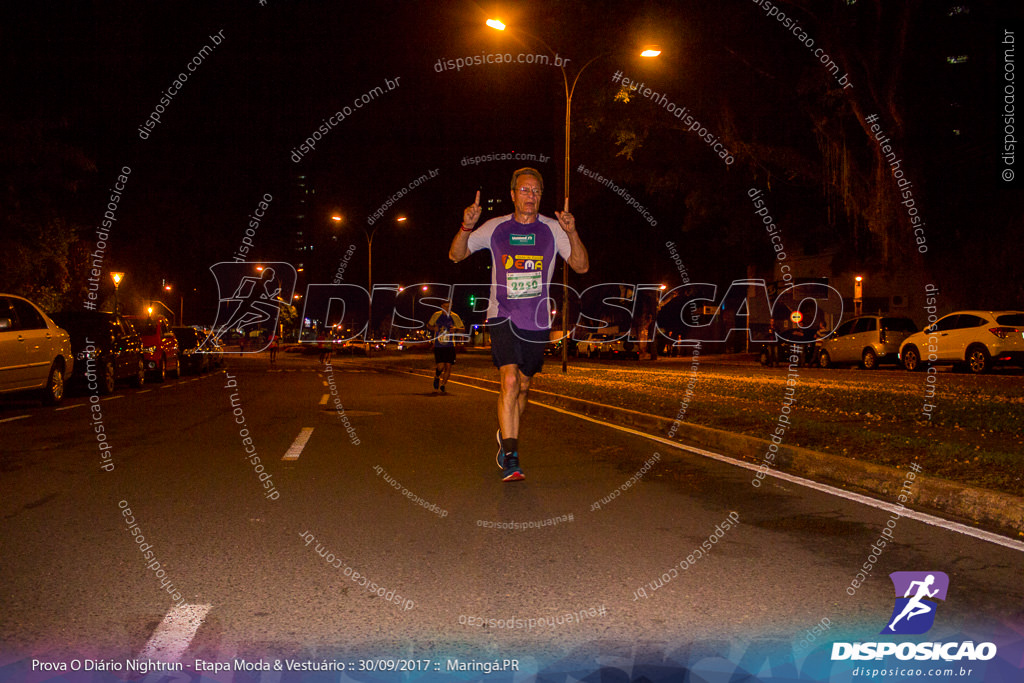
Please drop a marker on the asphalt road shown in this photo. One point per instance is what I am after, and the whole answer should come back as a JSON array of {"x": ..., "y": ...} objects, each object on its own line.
[{"x": 411, "y": 507}]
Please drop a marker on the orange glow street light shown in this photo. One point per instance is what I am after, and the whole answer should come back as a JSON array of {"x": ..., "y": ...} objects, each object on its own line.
[{"x": 116, "y": 277}]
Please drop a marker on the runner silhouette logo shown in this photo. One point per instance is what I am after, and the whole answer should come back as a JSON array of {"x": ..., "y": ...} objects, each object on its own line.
[
  {"x": 251, "y": 296},
  {"x": 916, "y": 595}
]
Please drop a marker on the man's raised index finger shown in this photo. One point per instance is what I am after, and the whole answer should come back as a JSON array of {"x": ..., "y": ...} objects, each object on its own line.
[{"x": 476, "y": 202}]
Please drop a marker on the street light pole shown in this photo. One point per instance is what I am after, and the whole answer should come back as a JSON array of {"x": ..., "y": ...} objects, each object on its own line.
[
  {"x": 369, "y": 262},
  {"x": 116, "y": 277}
]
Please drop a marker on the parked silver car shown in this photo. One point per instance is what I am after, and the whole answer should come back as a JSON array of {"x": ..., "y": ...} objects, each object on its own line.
[
  {"x": 599, "y": 345},
  {"x": 35, "y": 354},
  {"x": 867, "y": 340}
]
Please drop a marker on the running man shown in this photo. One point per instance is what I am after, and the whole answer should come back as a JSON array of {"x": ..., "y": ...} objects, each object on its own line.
[
  {"x": 915, "y": 606},
  {"x": 443, "y": 323},
  {"x": 523, "y": 247}
]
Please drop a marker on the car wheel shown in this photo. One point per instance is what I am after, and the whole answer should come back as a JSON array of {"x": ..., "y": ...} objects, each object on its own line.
[
  {"x": 139, "y": 378},
  {"x": 54, "y": 391},
  {"x": 869, "y": 360},
  {"x": 109, "y": 379},
  {"x": 176, "y": 373},
  {"x": 160, "y": 374},
  {"x": 594, "y": 353},
  {"x": 824, "y": 360},
  {"x": 763, "y": 357},
  {"x": 911, "y": 359},
  {"x": 978, "y": 359}
]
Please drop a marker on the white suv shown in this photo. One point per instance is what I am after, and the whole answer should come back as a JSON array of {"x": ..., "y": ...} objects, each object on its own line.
[
  {"x": 976, "y": 339},
  {"x": 34, "y": 352},
  {"x": 868, "y": 340},
  {"x": 600, "y": 345}
]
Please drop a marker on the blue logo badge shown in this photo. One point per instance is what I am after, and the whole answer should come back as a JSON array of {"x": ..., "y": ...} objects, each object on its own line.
[{"x": 916, "y": 593}]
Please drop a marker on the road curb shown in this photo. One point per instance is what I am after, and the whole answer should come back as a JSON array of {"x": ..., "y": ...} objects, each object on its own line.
[{"x": 993, "y": 509}]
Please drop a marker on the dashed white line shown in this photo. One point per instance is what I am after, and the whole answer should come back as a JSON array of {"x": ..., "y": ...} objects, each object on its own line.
[
  {"x": 295, "y": 449},
  {"x": 174, "y": 634},
  {"x": 20, "y": 417},
  {"x": 323, "y": 400}
]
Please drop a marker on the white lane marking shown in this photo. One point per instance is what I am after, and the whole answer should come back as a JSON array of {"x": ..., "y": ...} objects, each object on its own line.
[
  {"x": 143, "y": 391},
  {"x": 824, "y": 488},
  {"x": 77, "y": 405},
  {"x": 112, "y": 398},
  {"x": 323, "y": 400},
  {"x": 22, "y": 417},
  {"x": 172, "y": 637},
  {"x": 295, "y": 449}
]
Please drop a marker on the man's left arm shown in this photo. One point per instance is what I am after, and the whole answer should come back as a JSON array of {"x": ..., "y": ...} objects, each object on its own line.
[{"x": 578, "y": 259}]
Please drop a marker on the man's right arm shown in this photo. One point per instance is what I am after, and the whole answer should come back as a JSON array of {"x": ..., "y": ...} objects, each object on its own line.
[{"x": 460, "y": 244}]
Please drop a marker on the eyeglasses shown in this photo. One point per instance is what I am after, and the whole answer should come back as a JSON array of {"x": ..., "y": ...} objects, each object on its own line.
[{"x": 536, "y": 191}]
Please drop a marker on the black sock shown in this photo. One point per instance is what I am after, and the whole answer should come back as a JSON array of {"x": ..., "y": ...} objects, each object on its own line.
[
  {"x": 437, "y": 372},
  {"x": 510, "y": 445}
]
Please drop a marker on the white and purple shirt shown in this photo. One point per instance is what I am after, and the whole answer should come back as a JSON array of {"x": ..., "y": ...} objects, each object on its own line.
[{"x": 523, "y": 258}]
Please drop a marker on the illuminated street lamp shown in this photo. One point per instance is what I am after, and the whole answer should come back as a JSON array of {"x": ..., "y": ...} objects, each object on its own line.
[
  {"x": 569, "y": 90},
  {"x": 369, "y": 255},
  {"x": 181, "y": 304},
  {"x": 116, "y": 277},
  {"x": 858, "y": 294}
]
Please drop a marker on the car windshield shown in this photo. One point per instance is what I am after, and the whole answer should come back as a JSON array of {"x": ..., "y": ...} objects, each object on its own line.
[{"x": 146, "y": 327}]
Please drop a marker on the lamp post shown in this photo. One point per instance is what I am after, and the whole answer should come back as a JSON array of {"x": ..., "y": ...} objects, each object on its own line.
[
  {"x": 157, "y": 301},
  {"x": 181, "y": 303},
  {"x": 858, "y": 294},
  {"x": 116, "y": 277},
  {"x": 369, "y": 259},
  {"x": 569, "y": 91}
]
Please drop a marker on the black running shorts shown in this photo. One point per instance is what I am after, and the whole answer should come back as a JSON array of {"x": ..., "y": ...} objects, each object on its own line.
[
  {"x": 513, "y": 346},
  {"x": 444, "y": 354}
]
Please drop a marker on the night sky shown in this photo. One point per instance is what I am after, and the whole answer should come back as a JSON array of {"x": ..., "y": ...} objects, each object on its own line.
[{"x": 92, "y": 73}]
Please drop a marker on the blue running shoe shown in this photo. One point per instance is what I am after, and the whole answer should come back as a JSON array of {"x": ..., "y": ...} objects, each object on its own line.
[{"x": 511, "y": 471}]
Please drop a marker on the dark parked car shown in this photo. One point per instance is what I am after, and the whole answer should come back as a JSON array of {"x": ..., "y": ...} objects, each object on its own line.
[
  {"x": 159, "y": 346},
  {"x": 189, "y": 342},
  {"x": 104, "y": 344},
  {"x": 213, "y": 349}
]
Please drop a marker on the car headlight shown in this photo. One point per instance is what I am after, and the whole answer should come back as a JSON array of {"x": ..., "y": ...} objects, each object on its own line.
[
  {"x": 85, "y": 355},
  {"x": 149, "y": 349}
]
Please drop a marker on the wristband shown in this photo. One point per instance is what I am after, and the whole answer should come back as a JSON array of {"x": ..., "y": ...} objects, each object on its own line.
[{"x": 463, "y": 228}]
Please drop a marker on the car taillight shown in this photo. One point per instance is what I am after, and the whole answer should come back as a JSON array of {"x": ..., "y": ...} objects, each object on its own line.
[{"x": 1003, "y": 332}]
